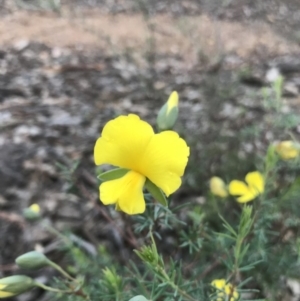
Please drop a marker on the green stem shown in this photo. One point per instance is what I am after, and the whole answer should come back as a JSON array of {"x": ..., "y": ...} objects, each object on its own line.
[
  {"x": 52, "y": 289},
  {"x": 175, "y": 286},
  {"x": 59, "y": 269}
]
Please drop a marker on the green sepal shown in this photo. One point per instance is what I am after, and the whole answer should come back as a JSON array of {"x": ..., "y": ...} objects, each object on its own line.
[
  {"x": 165, "y": 121},
  {"x": 113, "y": 174},
  {"x": 31, "y": 215},
  {"x": 156, "y": 192},
  {"x": 32, "y": 260},
  {"x": 117, "y": 208},
  {"x": 17, "y": 284},
  {"x": 172, "y": 117}
]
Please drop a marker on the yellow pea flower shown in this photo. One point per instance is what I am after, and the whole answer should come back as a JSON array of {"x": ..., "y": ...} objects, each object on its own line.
[
  {"x": 287, "y": 150},
  {"x": 218, "y": 187},
  {"x": 247, "y": 193},
  {"x": 130, "y": 143},
  {"x": 225, "y": 290}
]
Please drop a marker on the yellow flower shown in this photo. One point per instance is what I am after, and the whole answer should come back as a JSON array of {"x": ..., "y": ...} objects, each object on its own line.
[
  {"x": 225, "y": 290},
  {"x": 218, "y": 187},
  {"x": 287, "y": 150},
  {"x": 131, "y": 143},
  {"x": 255, "y": 187}
]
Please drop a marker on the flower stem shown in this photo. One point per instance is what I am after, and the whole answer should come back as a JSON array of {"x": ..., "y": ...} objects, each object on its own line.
[
  {"x": 175, "y": 286},
  {"x": 59, "y": 269},
  {"x": 52, "y": 289}
]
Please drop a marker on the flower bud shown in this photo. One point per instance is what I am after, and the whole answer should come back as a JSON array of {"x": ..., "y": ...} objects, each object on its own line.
[
  {"x": 112, "y": 279},
  {"x": 225, "y": 291},
  {"x": 32, "y": 260},
  {"x": 168, "y": 114},
  {"x": 138, "y": 298},
  {"x": 32, "y": 212},
  {"x": 287, "y": 149},
  {"x": 15, "y": 285},
  {"x": 218, "y": 187}
]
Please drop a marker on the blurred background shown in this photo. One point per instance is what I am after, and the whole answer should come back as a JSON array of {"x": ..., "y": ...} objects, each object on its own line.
[{"x": 67, "y": 67}]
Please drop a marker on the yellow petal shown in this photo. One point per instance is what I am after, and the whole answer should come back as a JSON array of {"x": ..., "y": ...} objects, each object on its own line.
[
  {"x": 35, "y": 208},
  {"x": 247, "y": 197},
  {"x": 217, "y": 187},
  {"x": 228, "y": 288},
  {"x": 164, "y": 161},
  {"x": 256, "y": 182},
  {"x": 127, "y": 192},
  {"x": 231, "y": 291},
  {"x": 225, "y": 289},
  {"x": 172, "y": 101},
  {"x": 238, "y": 188},
  {"x": 287, "y": 150},
  {"x": 219, "y": 283},
  {"x": 235, "y": 296},
  {"x": 123, "y": 141},
  {"x": 4, "y": 294}
]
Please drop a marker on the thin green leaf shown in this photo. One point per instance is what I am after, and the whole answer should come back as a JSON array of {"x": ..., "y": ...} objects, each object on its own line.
[
  {"x": 112, "y": 174},
  {"x": 156, "y": 193}
]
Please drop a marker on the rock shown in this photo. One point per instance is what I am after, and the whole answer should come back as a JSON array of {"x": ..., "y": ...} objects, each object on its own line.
[
  {"x": 21, "y": 45},
  {"x": 290, "y": 90}
]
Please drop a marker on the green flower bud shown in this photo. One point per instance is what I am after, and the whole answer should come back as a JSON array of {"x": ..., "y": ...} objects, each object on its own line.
[
  {"x": 168, "y": 114},
  {"x": 32, "y": 213},
  {"x": 138, "y": 298},
  {"x": 32, "y": 260},
  {"x": 112, "y": 279},
  {"x": 15, "y": 285}
]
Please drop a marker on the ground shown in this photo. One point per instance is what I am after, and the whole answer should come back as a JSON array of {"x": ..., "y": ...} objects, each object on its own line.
[{"x": 64, "y": 73}]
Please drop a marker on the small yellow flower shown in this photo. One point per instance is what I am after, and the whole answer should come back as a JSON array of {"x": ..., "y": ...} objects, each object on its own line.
[
  {"x": 247, "y": 193},
  {"x": 287, "y": 150},
  {"x": 130, "y": 143},
  {"x": 218, "y": 187},
  {"x": 225, "y": 290}
]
